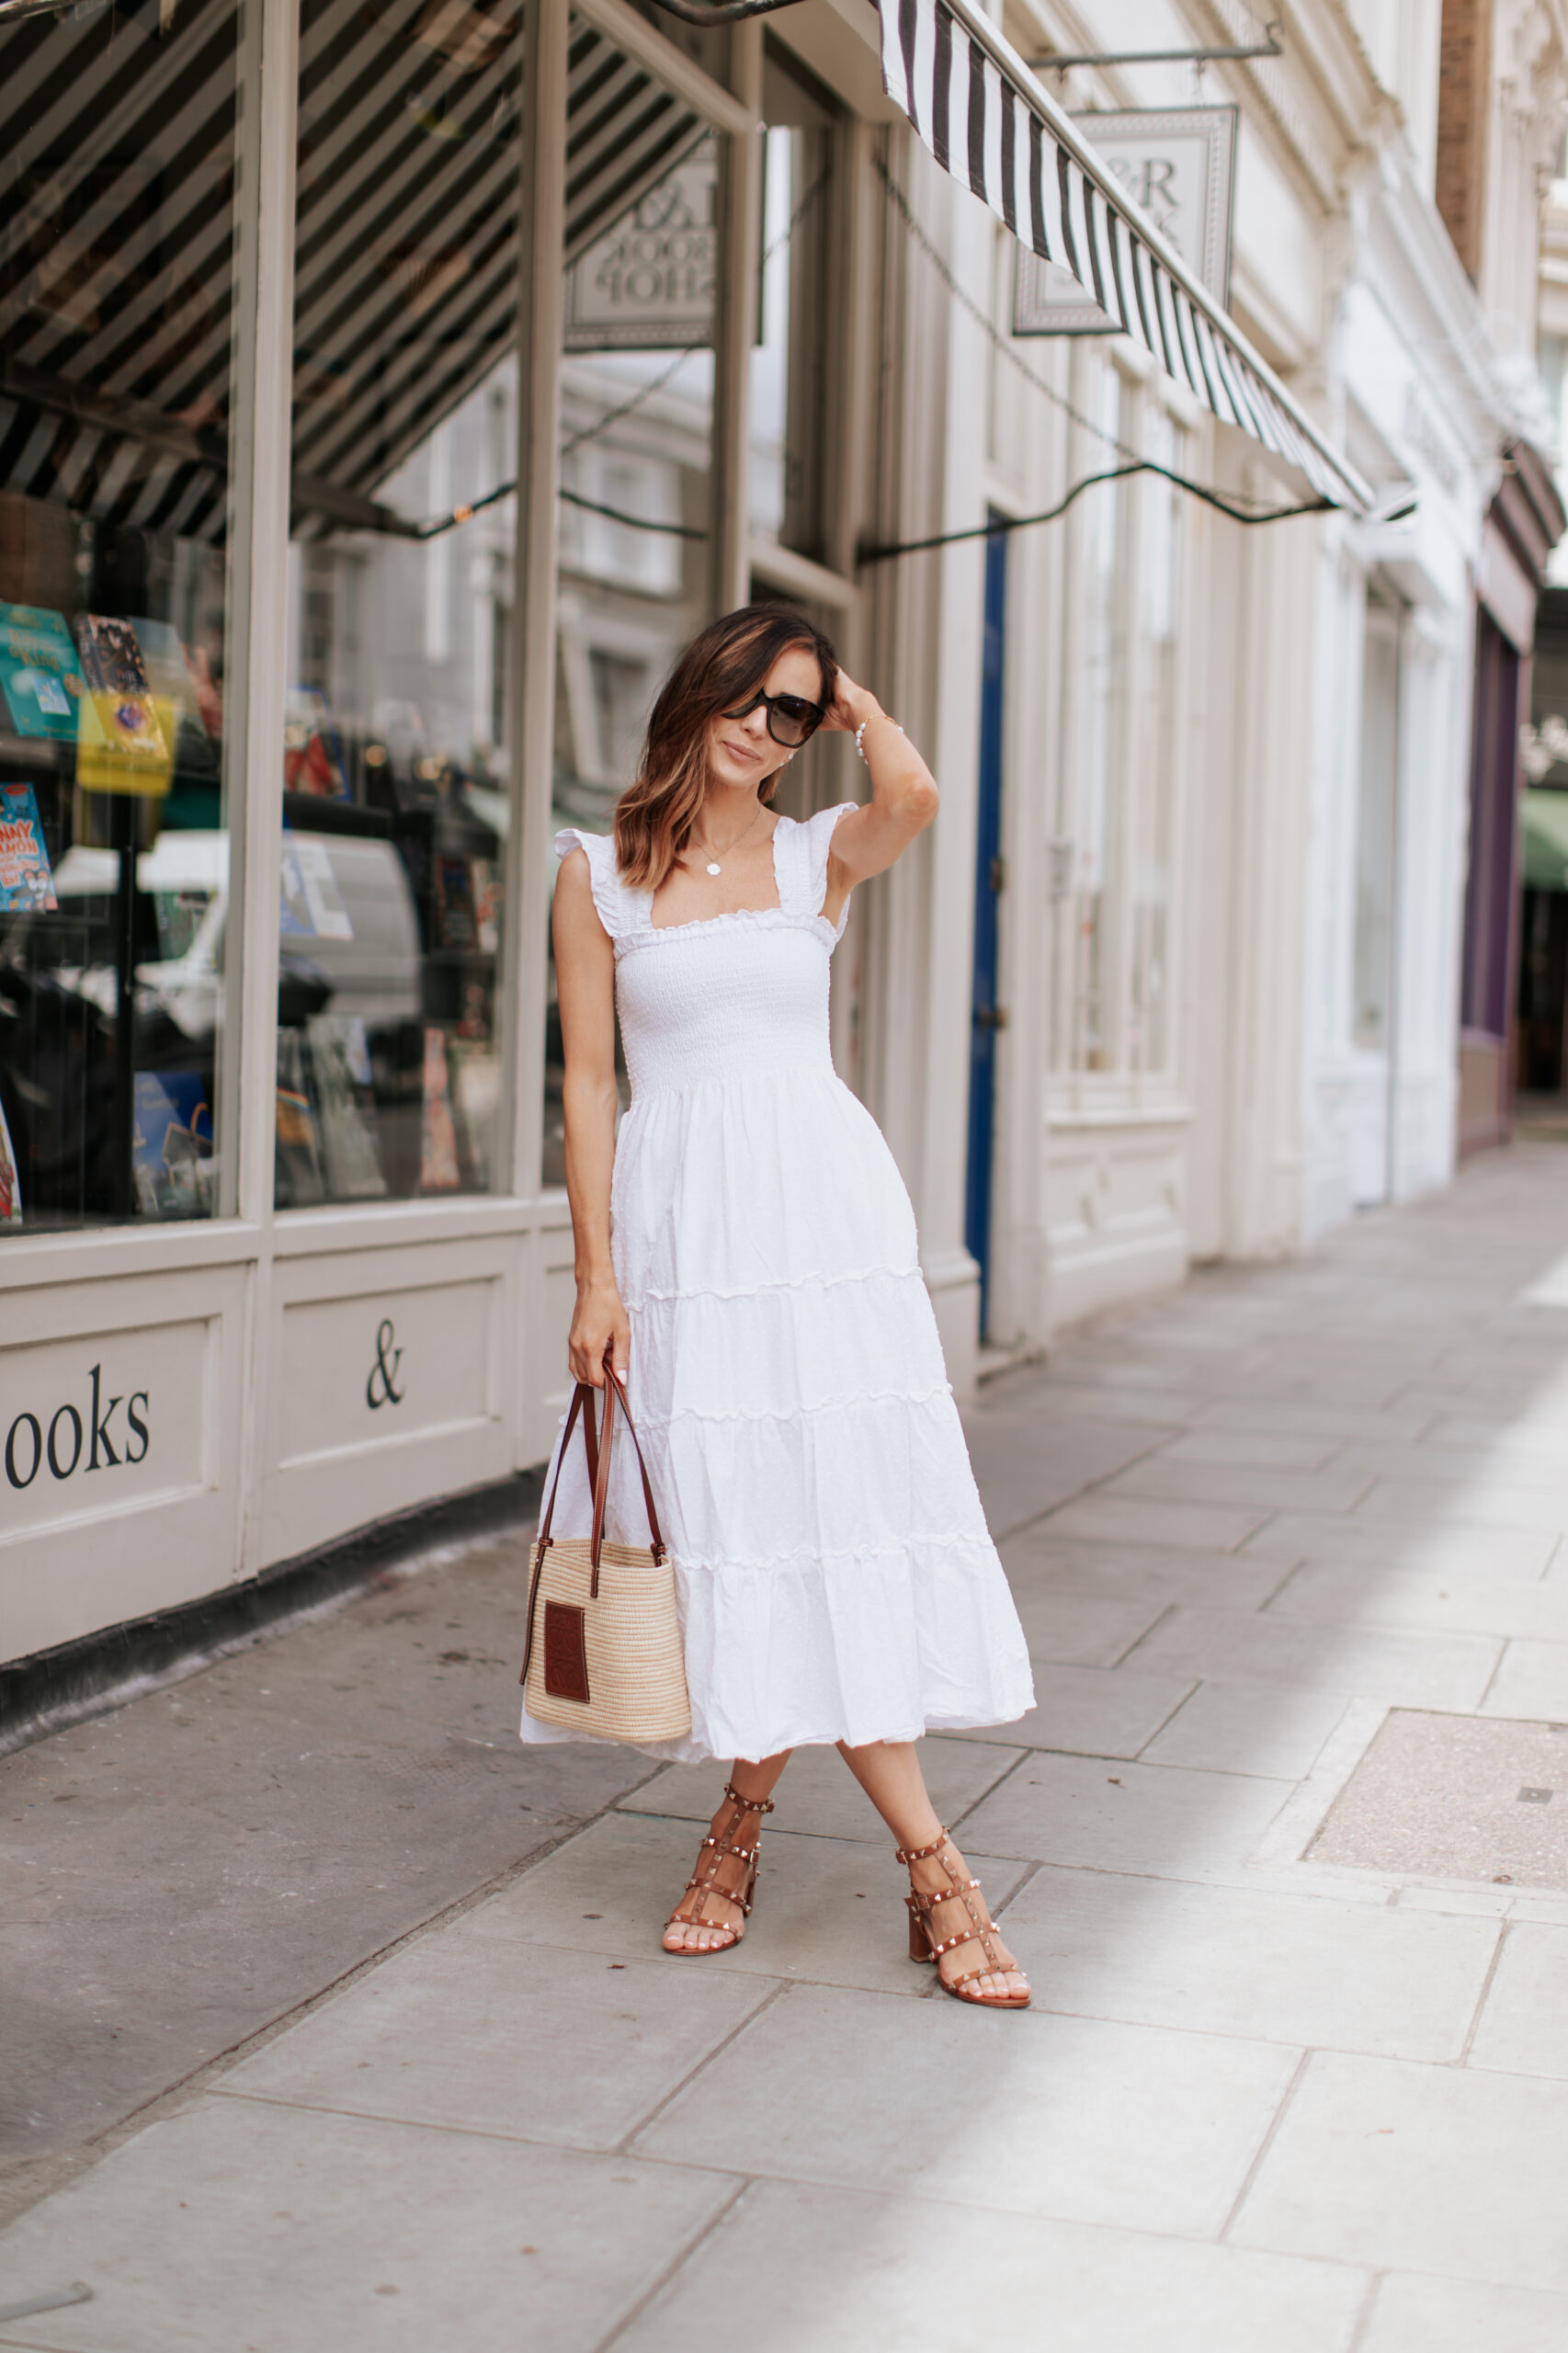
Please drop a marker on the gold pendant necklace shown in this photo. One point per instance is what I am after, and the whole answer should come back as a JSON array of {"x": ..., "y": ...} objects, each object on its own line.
[{"x": 713, "y": 866}]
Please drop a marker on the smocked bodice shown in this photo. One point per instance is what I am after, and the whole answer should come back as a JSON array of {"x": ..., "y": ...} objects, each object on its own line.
[{"x": 733, "y": 997}]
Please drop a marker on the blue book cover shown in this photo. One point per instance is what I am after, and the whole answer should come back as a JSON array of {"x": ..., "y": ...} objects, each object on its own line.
[
  {"x": 26, "y": 876},
  {"x": 39, "y": 674}
]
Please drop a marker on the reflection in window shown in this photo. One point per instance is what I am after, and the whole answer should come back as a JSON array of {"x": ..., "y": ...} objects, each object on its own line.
[
  {"x": 398, "y": 778},
  {"x": 637, "y": 413},
  {"x": 790, "y": 366},
  {"x": 117, "y": 175},
  {"x": 1116, "y": 842}
]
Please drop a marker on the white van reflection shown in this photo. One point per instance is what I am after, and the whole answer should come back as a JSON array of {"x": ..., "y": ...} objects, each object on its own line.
[{"x": 347, "y": 919}]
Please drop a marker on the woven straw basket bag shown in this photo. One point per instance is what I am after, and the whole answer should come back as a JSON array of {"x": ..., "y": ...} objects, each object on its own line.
[{"x": 602, "y": 1654}]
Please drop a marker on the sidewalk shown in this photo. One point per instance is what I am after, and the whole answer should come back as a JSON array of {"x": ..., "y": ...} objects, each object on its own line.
[{"x": 1284, "y": 1849}]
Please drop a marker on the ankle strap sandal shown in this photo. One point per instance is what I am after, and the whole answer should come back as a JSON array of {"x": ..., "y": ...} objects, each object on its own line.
[
  {"x": 924, "y": 1944},
  {"x": 704, "y": 1882}
]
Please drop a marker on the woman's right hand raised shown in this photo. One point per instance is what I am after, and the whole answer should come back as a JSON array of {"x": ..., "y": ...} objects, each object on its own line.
[{"x": 600, "y": 1326}]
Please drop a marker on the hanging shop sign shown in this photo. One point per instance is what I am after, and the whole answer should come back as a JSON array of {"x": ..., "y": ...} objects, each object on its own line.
[
  {"x": 648, "y": 284},
  {"x": 1178, "y": 164}
]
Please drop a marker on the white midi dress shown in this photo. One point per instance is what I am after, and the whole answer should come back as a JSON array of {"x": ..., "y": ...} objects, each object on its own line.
[{"x": 836, "y": 1577}]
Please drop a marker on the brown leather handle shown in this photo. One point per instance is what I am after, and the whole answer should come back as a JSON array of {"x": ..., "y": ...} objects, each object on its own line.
[
  {"x": 597, "y": 1447},
  {"x": 615, "y": 1394}
]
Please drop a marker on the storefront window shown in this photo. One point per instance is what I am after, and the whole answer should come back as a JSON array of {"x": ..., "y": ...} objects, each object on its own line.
[
  {"x": 1119, "y": 817},
  {"x": 637, "y": 419},
  {"x": 1153, "y": 781},
  {"x": 116, "y": 244},
  {"x": 396, "y": 787},
  {"x": 1101, "y": 714},
  {"x": 790, "y": 366}
]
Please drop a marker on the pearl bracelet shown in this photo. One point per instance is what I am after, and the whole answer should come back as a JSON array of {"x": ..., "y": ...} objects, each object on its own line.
[{"x": 860, "y": 749}]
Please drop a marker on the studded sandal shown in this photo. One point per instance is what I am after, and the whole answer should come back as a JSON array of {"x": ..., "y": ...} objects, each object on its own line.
[
  {"x": 924, "y": 1944},
  {"x": 704, "y": 1883}
]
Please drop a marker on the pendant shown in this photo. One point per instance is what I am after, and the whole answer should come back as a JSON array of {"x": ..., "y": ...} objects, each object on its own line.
[{"x": 712, "y": 866}]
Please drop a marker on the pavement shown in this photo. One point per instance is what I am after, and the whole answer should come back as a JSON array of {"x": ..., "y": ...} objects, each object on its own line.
[{"x": 322, "y": 2045}]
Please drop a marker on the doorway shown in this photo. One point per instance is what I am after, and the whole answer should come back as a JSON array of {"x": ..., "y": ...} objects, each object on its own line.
[{"x": 986, "y": 1015}]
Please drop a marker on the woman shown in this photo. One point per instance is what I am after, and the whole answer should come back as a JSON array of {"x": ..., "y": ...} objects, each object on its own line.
[{"x": 748, "y": 1251}]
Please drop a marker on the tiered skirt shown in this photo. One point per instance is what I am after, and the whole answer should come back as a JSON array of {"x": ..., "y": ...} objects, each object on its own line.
[{"x": 835, "y": 1576}]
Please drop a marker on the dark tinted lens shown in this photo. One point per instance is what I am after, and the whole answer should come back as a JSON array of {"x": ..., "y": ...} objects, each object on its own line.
[{"x": 791, "y": 717}]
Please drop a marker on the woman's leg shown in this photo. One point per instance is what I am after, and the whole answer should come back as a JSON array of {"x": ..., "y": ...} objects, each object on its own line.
[
  {"x": 889, "y": 1771},
  {"x": 706, "y": 1920}
]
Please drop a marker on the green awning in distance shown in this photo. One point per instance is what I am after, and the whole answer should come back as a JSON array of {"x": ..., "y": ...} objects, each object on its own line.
[{"x": 1546, "y": 841}]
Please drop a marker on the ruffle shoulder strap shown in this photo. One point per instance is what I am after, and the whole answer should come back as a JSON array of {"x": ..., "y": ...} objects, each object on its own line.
[
  {"x": 611, "y": 897},
  {"x": 805, "y": 865}
]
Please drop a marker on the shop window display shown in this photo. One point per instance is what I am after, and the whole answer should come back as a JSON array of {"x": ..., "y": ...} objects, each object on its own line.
[
  {"x": 117, "y": 233},
  {"x": 399, "y": 781},
  {"x": 637, "y": 417}
]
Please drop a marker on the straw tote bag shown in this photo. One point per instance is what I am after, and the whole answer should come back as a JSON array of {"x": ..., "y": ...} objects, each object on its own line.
[{"x": 602, "y": 1654}]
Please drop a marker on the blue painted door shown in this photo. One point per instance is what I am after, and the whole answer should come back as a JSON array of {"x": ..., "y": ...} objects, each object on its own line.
[{"x": 986, "y": 1015}]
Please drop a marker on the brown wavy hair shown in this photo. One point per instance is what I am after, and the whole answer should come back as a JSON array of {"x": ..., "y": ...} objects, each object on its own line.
[{"x": 724, "y": 665}]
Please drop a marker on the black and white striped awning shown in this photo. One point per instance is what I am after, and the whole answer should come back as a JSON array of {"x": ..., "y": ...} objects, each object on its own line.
[
  {"x": 986, "y": 119},
  {"x": 115, "y": 339}
]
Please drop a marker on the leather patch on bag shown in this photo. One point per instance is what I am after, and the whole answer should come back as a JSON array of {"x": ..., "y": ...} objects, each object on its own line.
[{"x": 565, "y": 1653}]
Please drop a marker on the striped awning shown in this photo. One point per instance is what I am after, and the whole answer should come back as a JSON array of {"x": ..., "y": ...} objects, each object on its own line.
[
  {"x": 114, "y": 377},
  {"x": 987, "y": 120}
]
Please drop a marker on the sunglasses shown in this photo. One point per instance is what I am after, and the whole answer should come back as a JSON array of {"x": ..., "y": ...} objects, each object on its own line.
[{"x": 792, "y": 720}]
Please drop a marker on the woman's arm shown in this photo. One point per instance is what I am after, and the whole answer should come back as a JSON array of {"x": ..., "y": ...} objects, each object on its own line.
[
  {"x": 904, "y": 795},
  {"x": 584, "y": 981}
]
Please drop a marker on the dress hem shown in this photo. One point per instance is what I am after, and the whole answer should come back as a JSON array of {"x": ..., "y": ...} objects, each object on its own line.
[{"x": 692, "y": 1751}]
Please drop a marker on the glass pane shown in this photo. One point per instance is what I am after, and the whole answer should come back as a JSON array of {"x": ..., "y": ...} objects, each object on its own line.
[
  {"x": 1375, "y": 811},
  {"x": 790, "y": 366},
  {"x": 637, "y": 417},
  {"x": 1101, "y": 702},
  {"x": 1154, "y": 754},
  {"x": 397, "y": 779},
  {"x": 116, "y": 231}
]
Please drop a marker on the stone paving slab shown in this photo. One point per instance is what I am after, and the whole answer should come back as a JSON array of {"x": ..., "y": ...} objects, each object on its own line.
[
  {"x": 1250, "y": 1486},
  {"x": 1427, "y": 1540},
  {"x": 1081, "y": 2119},
  {"x": 1134, "y": 1519},
  {"x": 1261, "y": 1450},
  {"x": 241, "y": 2227},
  {"x": 1248, "y": 1728},
  {"x": 1532, "y": 1680},
  {"x": 1095, "y": 1712},
  {"x": 1439, "y": 1463},
  {"x": 1443, "y": 2170},
  {"x": 1134, "y": 1573},
  {"x": 1410, "y": 2314},
  {"x": 480, "y": 2034},
  {"x": 1157, "y": 1818},
  {"x": 1412, "y": 1669},
  {"x": 1307, "y": 1970},
  {"x": 828, "y": 2271},
  {"x": 1496, "y": 1503},
  {"x": 1073, "y": 1628},
  {"x": 1404, "y": 1420},
  {"x": 1523, "y": 2028},
  {"x": 1436, "y": 1599}
]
